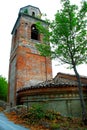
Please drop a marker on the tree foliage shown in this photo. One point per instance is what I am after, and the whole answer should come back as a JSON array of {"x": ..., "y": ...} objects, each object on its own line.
[
  {"x": 3, "y": 88},
  {"x": 68, "y": 35},
  {"x": 68, "y": 38}
]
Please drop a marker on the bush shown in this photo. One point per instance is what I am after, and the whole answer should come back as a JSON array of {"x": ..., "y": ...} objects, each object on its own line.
[{"x": 35, "y": 113}]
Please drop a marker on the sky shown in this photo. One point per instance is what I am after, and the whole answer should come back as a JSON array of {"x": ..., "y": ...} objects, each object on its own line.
[{"x": 8, "y": 14}]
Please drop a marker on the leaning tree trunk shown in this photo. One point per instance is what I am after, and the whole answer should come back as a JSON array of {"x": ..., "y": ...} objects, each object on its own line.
[{"x": 84, "y": 115}]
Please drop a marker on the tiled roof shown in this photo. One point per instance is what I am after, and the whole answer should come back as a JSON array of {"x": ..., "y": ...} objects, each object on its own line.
[
  {"x": 70, "y": 77},
  {"x": 59, "y": 82}
]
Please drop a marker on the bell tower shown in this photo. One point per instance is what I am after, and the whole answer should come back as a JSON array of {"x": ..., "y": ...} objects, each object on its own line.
[{"x": 27, "y": 67}]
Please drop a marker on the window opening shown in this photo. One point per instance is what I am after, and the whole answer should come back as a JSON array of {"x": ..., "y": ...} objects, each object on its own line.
[
  {"x": 34, "y": 33},
  {"x": 33, "y": 14}
]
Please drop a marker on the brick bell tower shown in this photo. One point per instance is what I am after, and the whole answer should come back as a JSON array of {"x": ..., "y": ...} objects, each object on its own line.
[{"x": 27, "y": 67}]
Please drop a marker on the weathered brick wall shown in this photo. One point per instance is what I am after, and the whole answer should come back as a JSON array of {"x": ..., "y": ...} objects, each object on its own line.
[
  {"x": 29, "y": 65},
  {"x": 24, "y": 29}
]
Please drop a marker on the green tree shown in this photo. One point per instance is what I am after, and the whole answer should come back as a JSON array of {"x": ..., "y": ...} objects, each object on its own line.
[
  {"x": 68, "y": 37},
  {"x": 3, "y": 88}
]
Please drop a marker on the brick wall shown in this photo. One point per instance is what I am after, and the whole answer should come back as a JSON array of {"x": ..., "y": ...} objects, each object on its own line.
[{"x": 29, "y": 65}]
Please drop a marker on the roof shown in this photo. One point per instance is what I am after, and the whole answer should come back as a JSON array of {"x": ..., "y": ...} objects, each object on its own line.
[
  {"x": 70, "y": 77},
  {"x": 21, "y": 13},
  {"x": 60, "y": 80},
  {"x": 29, "y": 6}
]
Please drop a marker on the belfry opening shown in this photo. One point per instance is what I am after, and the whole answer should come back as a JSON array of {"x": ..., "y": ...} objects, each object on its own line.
[{"x": 34, "y": 32}]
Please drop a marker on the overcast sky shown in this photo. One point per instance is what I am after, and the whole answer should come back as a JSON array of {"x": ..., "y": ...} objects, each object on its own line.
[{"x": 8, "y": 14}]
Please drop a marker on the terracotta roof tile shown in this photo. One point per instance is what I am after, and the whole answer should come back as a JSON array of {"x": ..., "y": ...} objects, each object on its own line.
[{"x": 59, "y": 82}]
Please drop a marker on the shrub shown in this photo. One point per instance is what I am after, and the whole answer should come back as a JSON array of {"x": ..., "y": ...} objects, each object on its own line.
[
  {"x": 50, "y": 115},
  {"x": 35, "y": 113},
  {"x": 38, "y": 112}
]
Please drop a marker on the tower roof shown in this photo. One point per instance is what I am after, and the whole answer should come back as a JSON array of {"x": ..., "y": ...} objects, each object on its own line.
[{"x": 31, "y": 10}]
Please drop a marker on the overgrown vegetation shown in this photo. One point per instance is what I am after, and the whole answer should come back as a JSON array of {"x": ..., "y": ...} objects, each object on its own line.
[
  {"x": 3, "y": 88},
  {"x": 38, "y": 118},
  {"x": 37, "y": 113}
]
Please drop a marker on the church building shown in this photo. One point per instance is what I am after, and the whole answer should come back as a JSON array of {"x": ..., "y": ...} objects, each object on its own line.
[{"x": 30, "y": 74}]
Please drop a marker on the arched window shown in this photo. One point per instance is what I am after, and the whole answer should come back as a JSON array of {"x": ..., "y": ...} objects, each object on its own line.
[
  {"x": 34, "y": 32},
  {"x": 33, "y": 14}
]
